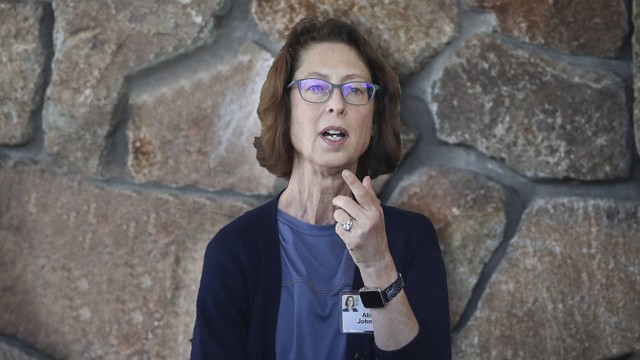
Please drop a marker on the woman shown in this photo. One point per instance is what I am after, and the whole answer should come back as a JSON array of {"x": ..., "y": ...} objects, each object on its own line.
[
  {"x": 349, "y": 305},
  {"x": 272, "y": 279}
]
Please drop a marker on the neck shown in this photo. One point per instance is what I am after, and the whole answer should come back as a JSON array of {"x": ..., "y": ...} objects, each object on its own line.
[{"x": 308, "y": 196}]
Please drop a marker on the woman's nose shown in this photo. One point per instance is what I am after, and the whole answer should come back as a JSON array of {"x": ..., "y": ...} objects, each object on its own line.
[{"x": 336, "y": 102}]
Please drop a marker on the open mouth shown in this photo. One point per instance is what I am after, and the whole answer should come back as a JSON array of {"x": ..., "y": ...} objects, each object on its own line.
[{"x": 334, "y": 135}]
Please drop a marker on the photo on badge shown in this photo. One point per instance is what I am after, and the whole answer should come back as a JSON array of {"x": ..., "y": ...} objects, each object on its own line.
[{"x": 355, "y": 317}]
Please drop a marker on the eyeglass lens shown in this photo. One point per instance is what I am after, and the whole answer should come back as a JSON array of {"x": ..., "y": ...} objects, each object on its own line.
[{"x": 317, "y": 90}]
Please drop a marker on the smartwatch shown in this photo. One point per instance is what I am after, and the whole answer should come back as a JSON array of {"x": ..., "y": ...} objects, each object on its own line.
[{"x": 378, "y": 297}]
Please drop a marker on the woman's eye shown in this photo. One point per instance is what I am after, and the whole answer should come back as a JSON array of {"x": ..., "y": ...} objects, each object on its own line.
[
  {"x": 315, "y": 88},
  {"x": 354, "y": 90}
]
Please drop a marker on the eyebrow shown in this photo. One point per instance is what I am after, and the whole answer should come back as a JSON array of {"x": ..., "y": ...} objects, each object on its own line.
[{"x": 345, "y": 78}]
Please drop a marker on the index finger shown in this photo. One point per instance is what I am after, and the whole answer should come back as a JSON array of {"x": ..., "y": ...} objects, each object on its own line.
[{"x": 362, "y": 195}]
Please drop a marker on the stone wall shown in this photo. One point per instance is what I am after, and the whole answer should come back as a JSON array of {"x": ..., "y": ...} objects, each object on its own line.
[{"x": 126, "y": 133}]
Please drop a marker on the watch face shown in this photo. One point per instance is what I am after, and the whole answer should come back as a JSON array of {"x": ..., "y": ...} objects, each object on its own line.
[{"x": 371, "y": 299}]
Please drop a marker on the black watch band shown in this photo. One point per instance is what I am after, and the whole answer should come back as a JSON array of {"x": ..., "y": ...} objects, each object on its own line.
[{"x": 377, "y": 297}]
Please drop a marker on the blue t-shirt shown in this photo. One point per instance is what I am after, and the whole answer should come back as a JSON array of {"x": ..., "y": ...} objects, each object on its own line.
[{"x": 316, "y": 267}]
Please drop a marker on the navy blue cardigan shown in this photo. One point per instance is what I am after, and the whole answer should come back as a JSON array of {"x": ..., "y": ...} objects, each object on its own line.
[{"x": 239, "y": 295}]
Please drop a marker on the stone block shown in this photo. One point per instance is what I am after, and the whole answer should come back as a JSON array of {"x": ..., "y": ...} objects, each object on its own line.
[
  {"x": 567, "y": 288},
  {"x": 407, "y": 33},
  {"x": 91, "y": 271},
  {"x": 22, "y": 66},
  {"x": 200, "y": 130},
  {"x": 544, "y": 117},
  {"x": 98, "y": 43},
  {"x": 594, "y": 27},
  {"x": 467, "y": 211}
]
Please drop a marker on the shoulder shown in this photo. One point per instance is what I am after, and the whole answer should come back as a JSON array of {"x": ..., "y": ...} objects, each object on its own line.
[
  {"x": 252, "y": 220},
  {"x": 252, "y": 226},
  {"x": 245, "y": 242}
]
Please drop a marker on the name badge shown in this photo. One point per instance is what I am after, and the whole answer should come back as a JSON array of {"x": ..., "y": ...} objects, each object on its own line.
[{"x": 355, "y": 317}]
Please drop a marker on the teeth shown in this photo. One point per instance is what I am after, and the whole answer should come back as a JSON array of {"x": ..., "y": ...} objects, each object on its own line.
[{"x": 334, "y": 135}]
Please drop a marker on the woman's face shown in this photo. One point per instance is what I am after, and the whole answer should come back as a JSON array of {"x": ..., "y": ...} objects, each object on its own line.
[
  {"x": 349, "y": 301},
  {"x": 331, "y": 136}
]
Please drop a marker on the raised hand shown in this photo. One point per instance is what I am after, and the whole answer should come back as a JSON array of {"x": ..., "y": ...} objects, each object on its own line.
[{"x": 366, "y": 239}]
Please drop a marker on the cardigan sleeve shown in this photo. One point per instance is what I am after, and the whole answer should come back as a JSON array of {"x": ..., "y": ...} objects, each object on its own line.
[
  {"x": 416, "y": 250},
  {"x": 221, "y": 326},
  {"x": 237, "y": 302}
]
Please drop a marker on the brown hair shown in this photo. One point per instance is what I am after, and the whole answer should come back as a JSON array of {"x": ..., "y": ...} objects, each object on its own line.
[{"x": 274, "y": 148}]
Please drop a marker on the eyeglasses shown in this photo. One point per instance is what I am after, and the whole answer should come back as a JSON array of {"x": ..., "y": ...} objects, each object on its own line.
[{"x": 319, "y": 91}]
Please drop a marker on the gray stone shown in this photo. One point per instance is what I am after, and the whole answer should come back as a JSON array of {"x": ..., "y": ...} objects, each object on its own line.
[
  {"x": 22, "y": 69},
  {"x": 408, "y": 139},
  {"x": 14, "y": 352},
  {"x": 636, "y": 73},
  {"x": 467, "y": 211},
  {"x": 407, "y": 33},
  {"x": 89, "y": 271},
  {"x": 544, "y": 117},
  {"x": 594, "y": 27},
  {"x": 200, "y": 130},
  {"x": 567, "y": 288},
  {"x": 98, "y": 43}
]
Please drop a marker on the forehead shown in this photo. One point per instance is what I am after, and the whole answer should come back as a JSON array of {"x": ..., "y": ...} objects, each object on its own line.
[{"x": 332, "y": 61}]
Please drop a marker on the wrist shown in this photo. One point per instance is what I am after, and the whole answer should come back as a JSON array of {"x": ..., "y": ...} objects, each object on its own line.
[
  {"x": 381, "y": 275},
  {"x": 379, "y": 297}
]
